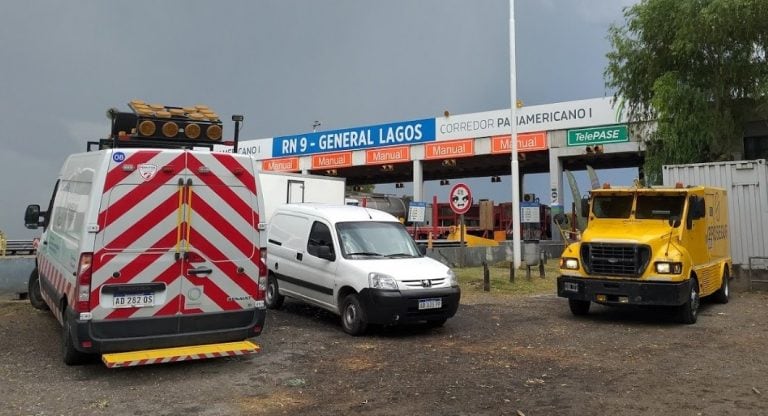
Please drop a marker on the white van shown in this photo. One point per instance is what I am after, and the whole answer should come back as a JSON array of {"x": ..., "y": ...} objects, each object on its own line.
[
  {"x": 357, "y": 262},
  {"x": 151, "y": 249}
]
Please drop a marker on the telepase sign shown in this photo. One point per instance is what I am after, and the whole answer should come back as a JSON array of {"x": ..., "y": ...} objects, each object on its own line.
[{"x": 598, "y": 135}]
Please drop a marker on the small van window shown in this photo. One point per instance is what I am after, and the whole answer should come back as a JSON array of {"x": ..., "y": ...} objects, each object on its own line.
[
  {"x": 319, "y": 235},
  {"x": 69, "y": 209}
]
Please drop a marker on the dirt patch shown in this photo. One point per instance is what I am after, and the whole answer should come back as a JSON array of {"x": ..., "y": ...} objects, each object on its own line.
[{"x": 498, "y": 356}]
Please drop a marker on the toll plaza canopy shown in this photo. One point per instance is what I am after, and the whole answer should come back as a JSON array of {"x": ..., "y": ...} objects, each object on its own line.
[{"x": 551, "y": 137}]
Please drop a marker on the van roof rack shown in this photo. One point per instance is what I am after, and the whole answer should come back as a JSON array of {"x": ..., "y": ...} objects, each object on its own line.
[{"x": 168, "y": 127}]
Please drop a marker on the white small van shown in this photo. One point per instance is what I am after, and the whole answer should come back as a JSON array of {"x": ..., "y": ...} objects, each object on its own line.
[{"x": 357, "y": 262}]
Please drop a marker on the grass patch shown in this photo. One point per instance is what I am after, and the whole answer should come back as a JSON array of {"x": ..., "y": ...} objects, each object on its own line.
[{"x": 471, "y": 281}]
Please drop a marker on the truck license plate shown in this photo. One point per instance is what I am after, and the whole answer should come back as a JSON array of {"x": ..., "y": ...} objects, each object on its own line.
[
  {"x": 133, "y": 300},
  {"x": 435, "y": 303},
  {"x": 571, "y": 287}
]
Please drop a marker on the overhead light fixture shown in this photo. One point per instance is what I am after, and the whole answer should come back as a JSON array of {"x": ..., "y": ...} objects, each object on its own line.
[
  {"x": 449, "y": 162},
  {"x": 387, "y": 168},
  {"x": 331, "y": 172}
]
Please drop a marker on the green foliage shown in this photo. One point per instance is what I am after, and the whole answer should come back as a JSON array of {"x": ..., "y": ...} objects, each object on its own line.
[{"x": 697, "y": 67}]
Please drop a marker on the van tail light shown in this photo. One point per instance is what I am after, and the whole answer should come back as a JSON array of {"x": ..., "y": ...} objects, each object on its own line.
[
  {"x": 263, "y": 271},
  {"x": 84, "y": 283}
]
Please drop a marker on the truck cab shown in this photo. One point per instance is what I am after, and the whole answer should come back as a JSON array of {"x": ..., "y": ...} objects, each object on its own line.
[{"x": 650, "y": 246}]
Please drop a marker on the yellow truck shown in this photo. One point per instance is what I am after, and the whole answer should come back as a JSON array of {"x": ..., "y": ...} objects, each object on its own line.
[{"x": 664, "y": 246}]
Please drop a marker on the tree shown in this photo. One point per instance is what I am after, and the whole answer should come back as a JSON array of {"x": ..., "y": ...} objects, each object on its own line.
[{"x": 696, "y": 67}]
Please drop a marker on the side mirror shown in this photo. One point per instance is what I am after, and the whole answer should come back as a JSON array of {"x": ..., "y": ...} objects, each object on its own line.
[
  {"x": 585, "y": 207},
  {"x": 32, "y": 217},
  {"x": 324, "y": 252}
]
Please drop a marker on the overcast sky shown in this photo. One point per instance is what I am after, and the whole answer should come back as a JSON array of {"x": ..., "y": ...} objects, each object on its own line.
[{"x": 282, "y": 64}]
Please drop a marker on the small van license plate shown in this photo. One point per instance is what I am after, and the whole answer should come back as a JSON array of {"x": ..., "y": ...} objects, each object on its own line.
[
  {"x": 435, "y": 303},
  {"x": 133, "y": 300}
]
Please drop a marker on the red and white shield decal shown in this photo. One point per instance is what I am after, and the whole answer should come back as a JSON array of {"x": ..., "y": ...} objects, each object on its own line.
[{"x": 147, "y": 171}]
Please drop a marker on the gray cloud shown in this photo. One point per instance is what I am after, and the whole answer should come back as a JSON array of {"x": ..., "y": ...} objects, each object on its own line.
[{"x": 281, "y": 63}]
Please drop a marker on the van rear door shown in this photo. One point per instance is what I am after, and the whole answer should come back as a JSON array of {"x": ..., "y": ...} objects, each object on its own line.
[
  {"x": 221, "y": 245},
  {"x": 135, "y": 267}
]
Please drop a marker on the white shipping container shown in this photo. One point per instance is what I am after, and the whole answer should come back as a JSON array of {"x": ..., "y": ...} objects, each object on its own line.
[{"x": 746, "y": 183}]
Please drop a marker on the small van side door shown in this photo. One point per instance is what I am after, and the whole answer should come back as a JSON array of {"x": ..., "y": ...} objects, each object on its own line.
[{"x": 319, "y": 273}]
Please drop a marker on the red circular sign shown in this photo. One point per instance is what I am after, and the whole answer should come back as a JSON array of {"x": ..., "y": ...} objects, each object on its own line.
[{"x": 460, "y": 198}]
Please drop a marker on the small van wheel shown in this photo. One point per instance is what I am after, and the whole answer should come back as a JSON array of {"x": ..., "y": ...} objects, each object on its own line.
[
  {"x": 273, "y": 299},
  {"x": 353, "y": 318},
  {"x": 689, "y": 311},
  {"x": 34, "y": 293},
  {"x": 579, "y": 307},
  {"x": 723, "y": 294},
  {"x": 71, "y": 355}
]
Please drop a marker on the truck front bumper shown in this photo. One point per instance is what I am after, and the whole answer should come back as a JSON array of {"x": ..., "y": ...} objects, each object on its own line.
[{"x": 624, "y": 292}]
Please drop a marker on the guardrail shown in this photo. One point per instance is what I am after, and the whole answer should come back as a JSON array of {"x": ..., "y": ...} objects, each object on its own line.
[{"x": 17, "y": 248}]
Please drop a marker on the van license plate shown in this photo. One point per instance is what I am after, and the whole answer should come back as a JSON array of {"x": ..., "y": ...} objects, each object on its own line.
[
  {"x": 133, "y": 300},
  {"x": 435, "y": 303}
]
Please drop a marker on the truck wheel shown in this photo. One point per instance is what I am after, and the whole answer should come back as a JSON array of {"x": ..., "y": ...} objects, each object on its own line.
[
  {"x": 722, "y": 294},
  {"x": 70, "y": 354},
  {"x": 579, "y": 307},
  {"x": 273, "y": 298},
  {"x": 689, "y": 311},
  {"x": 34, "y": 293},
  {"x": 353, "y": 318}
]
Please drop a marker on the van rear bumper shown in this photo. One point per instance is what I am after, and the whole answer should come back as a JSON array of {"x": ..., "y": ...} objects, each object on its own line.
[
  {"x": 623, "y": 292},
  {"x": 392, "y": 306},
  {"x": 121, "y": 335}
]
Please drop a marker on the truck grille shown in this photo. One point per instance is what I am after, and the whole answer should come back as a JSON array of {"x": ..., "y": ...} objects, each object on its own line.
[{"x": 628, "y": 260}]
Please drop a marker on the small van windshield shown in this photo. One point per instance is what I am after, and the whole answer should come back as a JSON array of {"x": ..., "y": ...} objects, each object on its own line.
[{"x": 370, "y": 239}]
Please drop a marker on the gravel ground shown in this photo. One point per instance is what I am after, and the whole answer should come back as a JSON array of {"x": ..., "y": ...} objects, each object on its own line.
[{"x": 498, "y": 356}]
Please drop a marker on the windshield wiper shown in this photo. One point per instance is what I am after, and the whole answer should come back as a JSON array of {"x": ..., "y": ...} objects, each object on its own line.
[
  {"x": 396, "y": 255},
  {"x": 365, "y": 253}
]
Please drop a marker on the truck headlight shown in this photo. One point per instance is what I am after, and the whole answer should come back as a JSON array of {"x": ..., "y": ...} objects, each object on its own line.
[
  {"x": 381, "y": 281},
  {"x": 569, "y": 263},
  {"x": 452, "y": 279},
  {"x": 665, "y": 267}
]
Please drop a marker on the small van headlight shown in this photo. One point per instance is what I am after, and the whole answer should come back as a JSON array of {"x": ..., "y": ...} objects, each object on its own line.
[
  {"x": 569, "y": 263},
  {"x": 381, "y": 281},
  {"x": 665, "y": 267},
  {"x": 452, "y": 279}
]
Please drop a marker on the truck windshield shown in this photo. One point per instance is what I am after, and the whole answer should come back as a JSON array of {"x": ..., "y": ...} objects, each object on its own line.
[
  {"x": 612, "y": 206},
  {"x": 659, "y": 206},
  {"x": 373, "y": 240}
]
